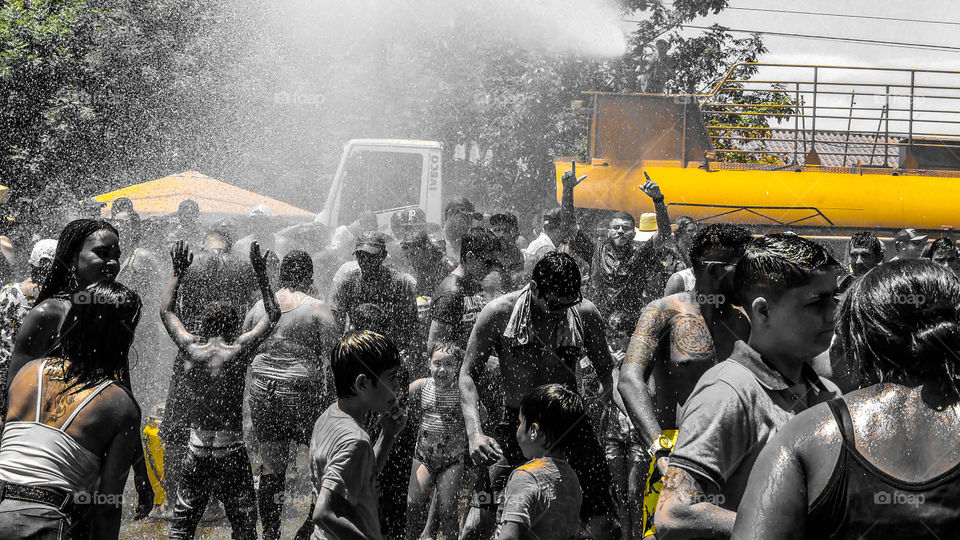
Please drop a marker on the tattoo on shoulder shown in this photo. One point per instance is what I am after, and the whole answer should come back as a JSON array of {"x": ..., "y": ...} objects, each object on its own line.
[
  {"x": 650, "y": 327},
  {"x": 691, "y": 337}
]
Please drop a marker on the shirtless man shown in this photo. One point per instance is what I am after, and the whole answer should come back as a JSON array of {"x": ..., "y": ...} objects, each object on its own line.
[
  {"x": 539, "y": 333},
  {"x": 215, "y": 365},
  {"x": 288, "y": 390},
  {"x": 680, "y": 337}
]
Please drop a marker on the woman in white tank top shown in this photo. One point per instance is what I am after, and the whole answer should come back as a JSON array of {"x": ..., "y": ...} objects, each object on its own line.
[{"x": 71, "y": 431}]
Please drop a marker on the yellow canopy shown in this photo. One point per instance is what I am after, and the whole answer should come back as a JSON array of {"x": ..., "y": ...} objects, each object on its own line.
[{"x": 164, "y": 195}]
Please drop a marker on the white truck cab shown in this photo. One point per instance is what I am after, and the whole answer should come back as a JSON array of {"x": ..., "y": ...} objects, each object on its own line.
[{"x": 383, "y": 176}]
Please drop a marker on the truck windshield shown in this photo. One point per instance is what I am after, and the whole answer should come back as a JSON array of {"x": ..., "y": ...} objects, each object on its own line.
[{"x": 378, "y": 181}]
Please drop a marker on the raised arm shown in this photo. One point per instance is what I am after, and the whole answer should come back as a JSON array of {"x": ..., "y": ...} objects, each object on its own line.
[
  {"x": 182, "y": 258},
  {"x": 568, "y": 212},
  {"x": 483, "y": 449},
  {"x": 252, "y": 339},
  {"x": 652, "y": 190}
]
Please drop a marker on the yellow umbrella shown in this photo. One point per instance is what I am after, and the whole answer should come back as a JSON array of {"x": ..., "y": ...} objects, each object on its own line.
[{"x": 164, "y": 195}]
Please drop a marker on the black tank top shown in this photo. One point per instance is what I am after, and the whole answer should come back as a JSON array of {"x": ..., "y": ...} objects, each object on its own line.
[{"x": 861, "y": 501}]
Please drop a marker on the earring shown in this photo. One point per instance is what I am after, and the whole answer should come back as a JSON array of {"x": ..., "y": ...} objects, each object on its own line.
[{"x": 73, "y": 277}]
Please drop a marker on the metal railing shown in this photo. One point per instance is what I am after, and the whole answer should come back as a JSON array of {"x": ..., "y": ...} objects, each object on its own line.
[{"x": 842, "y": 115}]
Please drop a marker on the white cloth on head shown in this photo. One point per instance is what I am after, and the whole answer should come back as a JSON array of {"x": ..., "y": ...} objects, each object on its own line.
[{"x": 43, "y": 249}]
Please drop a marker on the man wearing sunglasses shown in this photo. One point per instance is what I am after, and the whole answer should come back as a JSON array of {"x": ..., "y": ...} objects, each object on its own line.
[
  {"x": 459, "y": 299},
  {"x": 538, "y": 333},
  {"x": 677, "y": 339}
]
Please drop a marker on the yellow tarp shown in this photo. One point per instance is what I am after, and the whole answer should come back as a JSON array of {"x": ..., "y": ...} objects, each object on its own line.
[{"x": 164, "y": 195}]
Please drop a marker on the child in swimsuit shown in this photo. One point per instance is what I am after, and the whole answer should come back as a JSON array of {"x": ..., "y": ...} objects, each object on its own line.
[{"x": 441, "y": 445}]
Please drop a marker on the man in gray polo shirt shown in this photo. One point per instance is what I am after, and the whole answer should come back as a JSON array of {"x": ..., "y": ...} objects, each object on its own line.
[{"x": 787, "y": 286}]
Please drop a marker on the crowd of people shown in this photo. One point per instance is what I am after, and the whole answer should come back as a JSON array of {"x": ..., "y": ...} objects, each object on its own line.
[{"x": 683, "y": 380}]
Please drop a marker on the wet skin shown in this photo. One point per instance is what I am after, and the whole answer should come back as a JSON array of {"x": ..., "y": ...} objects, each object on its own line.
[{"x": 795, "y": 466}]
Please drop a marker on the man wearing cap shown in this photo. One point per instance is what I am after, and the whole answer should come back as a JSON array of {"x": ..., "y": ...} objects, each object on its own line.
[
  {"x": 458, "y": 216},
  {"x": 624, "y": 274},
  {"x": 16, "y": 299},
  {"x": 373, "y": 283},
  {"x": 507, "y": 228},
  {"x": 259, "y": 223},
  {"x": 909, "y": 244}
]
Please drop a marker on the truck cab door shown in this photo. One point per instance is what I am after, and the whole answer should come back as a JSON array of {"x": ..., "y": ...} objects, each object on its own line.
[{"x": 381, "y": 179}]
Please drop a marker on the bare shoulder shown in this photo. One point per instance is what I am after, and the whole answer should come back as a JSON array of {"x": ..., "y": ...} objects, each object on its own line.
[
  {"x": 120, "y": 406},
  {"x": 680, "y": 303}
]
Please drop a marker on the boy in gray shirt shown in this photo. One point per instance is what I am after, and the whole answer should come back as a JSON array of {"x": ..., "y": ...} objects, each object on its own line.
[
  {"x": 343, "y": 461},
  {"x": 542, "y": 498}
]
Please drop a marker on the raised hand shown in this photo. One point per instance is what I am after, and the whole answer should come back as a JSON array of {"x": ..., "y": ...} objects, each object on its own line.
[
  {"x": 651, "y": 188},
  {"x": 181, "y": 256},
  {"x": 258, "y": 261},
  {"x": 570, "y": 180}
]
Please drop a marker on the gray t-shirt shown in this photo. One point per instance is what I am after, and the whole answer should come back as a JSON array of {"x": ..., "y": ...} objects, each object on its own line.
[
  {"x": 734, "y": 409},
  {"x": 342, "y": 460},
  {"x": 544, "y": 495}
]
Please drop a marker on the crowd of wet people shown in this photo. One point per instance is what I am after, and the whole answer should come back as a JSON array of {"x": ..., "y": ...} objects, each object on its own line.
[{"x": 605, "y": 378}]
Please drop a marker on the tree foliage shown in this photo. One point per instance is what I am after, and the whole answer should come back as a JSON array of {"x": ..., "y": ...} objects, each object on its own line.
[{"x": 103, "y": 93}]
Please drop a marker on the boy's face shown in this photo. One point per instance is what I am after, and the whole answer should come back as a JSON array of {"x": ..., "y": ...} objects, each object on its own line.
[
  {"x": 617, "y": 339},
  {"x": 530, "y": 440},
  {"x": 801, "y": 320},
  {"x": 383, "y": 392},
  {"x": 444, "y": 369}
]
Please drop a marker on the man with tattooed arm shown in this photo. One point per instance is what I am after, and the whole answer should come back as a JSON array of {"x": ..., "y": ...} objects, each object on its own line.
[
  {"x": 787, "y": 285},
  {"x": 676, "y": 340}
]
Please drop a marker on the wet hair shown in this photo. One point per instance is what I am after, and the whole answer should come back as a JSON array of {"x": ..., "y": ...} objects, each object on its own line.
[
  {"x": 939, "y": 244},
  {"x": 622, "y": 215},
  {"x": 361, "y": 353},
  {"x": 866, "y": 239},
  {"x": 449, "y": 348},
  {"x": 220, "y": 319},
  {"x": 557, "y": 410},
  {"x": 719, "y": 236},
  {"x": 296, "y": 268},
  {"x": 368, "y": 317},
  {"x": 901, "y": 320},
  {"x": 481, "y": 242},
  {"x": 121, "y": 205},
  {"x": 683, "y": 221},
  {"x": 188, "y": 204},
  {"x": 459, "y": 202},
  {"x": 69, "y": 244},
  {"x": 775, "y": 263},
  {"x": 557, "y": 273},
  {"x": 552, "y": 218},
  {"x": 225, "y": 230},
  {"x": 621, "y": 321},
  {"x": 97, "y": 333}
]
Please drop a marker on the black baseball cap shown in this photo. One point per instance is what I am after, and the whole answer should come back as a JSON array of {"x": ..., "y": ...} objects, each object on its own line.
[
  {"x": 909, "y": 235},
  {"x": 505, "y": 217},
  {"x": 372, "y": 242},
  {"x": 464, "y": 205}
]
